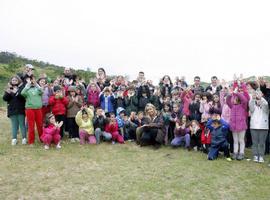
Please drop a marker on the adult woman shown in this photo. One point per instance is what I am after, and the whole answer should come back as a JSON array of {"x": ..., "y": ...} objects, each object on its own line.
[{"x": 152, "y": 132}]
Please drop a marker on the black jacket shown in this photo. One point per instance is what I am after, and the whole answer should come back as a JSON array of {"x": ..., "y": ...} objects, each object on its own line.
[{"x": 15, "y": 103}]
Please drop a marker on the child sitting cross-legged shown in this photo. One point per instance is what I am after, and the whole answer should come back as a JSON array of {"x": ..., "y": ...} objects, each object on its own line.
[
  {"x": 219, "y": 130},
  {"x": 51, "y": 132}
]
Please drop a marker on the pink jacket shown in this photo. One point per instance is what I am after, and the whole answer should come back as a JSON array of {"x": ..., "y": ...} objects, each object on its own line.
[
  {"x": 238, "y": 117},
  {"x": 226, "y": 110},
  {"x": 51, "y": 130},
  {"x": 186, "y": 98}
]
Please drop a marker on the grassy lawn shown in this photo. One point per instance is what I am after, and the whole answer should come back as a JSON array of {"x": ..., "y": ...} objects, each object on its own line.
[{"x": 123, "y": 172}]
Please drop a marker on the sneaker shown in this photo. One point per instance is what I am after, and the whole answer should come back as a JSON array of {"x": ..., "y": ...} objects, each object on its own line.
[
  {"x": 261, "y": 160},
  {"x": 24, "y": 141},
  {"x": 72, "y": 140},
  {"x": 46, "y": 147},
  {"x": 240, "y": 156},
  {"x": 195, "y": 148},
  {"x": 113, "y": 142},
  {"x": 255, "y": 159},
  {"x": 235, "y": 155},
  {"x": 13, "y": 142},
  {"x": 58, "y": 146},
  {"x": 77, "y": 139},
  {"x": 229, "y": 159}
]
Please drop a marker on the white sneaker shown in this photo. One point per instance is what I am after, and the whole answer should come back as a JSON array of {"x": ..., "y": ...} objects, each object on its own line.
[
  {"x": 255, "y": 159},
  {"x": 58, "y": 146},
  {"x": 46, "y": 147},
  {"x": 113, "y": 142},
  {"x": 13, "y": 142},
  {"x": 77, "y": 139},
  {"x": 72, "y": 140},
  {"x": 261, "y": 160},
  {"x": 24, "y": 141}
]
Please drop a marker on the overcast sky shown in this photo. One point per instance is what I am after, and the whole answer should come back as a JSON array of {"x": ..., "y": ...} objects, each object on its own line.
[{"x": 191, "y": 37}]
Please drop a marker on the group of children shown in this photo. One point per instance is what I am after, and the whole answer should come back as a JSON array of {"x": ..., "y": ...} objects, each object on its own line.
[{"x": 212, "y": 120}]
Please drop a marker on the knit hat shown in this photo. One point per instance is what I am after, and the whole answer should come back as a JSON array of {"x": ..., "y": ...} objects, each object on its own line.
[{"x": 56, "y": 88}]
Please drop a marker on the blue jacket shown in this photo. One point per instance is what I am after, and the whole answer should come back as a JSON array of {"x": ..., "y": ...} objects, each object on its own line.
[
  {"x": 218, "y": 135},
  {"x": 109, "y": 105}
]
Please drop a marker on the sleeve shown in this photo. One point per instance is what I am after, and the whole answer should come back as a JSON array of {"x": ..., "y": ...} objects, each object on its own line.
[
  {"x": 7, "y": 97},
  {"x": 25, "y": 90},
  {"x": 90, "y": 113},
  {"x": 229, "y": 101},
  {"x": 252, "y": 105},
  {"x": 70, "y": 103},
  {"x": 265, "y": 105},
  {"x": 78, "y": 118},
  {"x": 209, "y": 124}
]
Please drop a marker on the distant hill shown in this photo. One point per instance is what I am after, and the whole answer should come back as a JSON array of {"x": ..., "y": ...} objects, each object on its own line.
[{"x": 11, "y": 63}]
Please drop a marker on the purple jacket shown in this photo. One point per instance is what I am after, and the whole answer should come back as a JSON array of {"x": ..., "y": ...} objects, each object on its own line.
[
  {"x": 238, "y": 118},
  {"x": 47, "y": 92}
]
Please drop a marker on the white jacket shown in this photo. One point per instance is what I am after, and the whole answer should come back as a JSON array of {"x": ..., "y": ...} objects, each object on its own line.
[{"x": 259, "y": 114}]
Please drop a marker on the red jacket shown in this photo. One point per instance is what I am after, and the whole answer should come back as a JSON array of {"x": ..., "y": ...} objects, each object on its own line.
[
  {"x": 110, "y": 128},
  {"x": 206, "y": 135},
  {"x": 58, "y": 105}
]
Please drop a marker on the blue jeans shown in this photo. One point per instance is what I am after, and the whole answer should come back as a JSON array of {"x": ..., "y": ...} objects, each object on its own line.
[
  {"x": 177, "y": 141},
  {"x": 99, "y": 133},
  {"x": 16, "y": 122}
]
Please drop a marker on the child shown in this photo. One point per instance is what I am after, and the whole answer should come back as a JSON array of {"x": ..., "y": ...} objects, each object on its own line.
[
  {"x": 16, "y": 108},
  {"x": 51, "y": 132},
  {"x": 33, "y": 95},
  {"x": 47, "y": 92},
  {"x": 59, "y": 102},
  {"x": 86, "y": 129},
  {"x": 175, "y": 116},
  {"x": 259, "y": 127},
  {"x": 219, "y": 130},
  {"x": 238, "y": 121},
  {"x": 181, "y": 133},
  {"x": 194, "y": 108},
  {"x": 205, "y": 106},
  {"x": 166, "y": 113},
  {"x": 93, "y": 92},
  {"x": 112, "y": 128},
  {"x": 205, "y": 138},
  {"x": 195, "y": 132},
  {"x": 75, "y": 103},
  {"x": 99, "y": 122},
  {"x": 120, "y": 119},
  {"x": 131, "y": 101},
  {"x": 107, "y": 100}
]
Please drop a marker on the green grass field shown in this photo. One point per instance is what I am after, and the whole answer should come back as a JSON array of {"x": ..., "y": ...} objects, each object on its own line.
[{"x": 123, "y": 172}]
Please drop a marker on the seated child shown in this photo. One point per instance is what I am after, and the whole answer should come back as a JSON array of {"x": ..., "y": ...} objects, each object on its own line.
[
  {"x": 112, "y": 128},
  {"x": 51, "y": 132},
  {"x": 84, "y": 121},
  {"x": 195, "y": 132},
  {"x": 181, "y": 133},
  {"x": 219, "y": 130},
  {"x": 99, "y": 125}
]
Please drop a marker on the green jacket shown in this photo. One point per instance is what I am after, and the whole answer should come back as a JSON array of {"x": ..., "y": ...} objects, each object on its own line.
[{"x": 33, "y": 96}]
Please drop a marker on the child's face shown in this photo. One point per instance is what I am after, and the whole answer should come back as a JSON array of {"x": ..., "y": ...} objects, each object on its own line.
[
  {"x": 72, "y": 94},
  {"x": 112, "y": 118},
  {"x": 93, "y": 87},
  {"x": 216, "y": 98},
  {"x": 194, "y": 124},
  {"x": 175, "y": 108},
  {"x": 122, "y": 114},
  {"x": 197, "y": 98},
  {"x": 14, "y": 81},
  {"x": 52, "y": 120},
  {"x": 166, "y": 108},
  {"x": 184, "y": 119},
  {"x": 140, "y": 115},
  {"x": 42, "y": 82},
  {"x": 99, "y": 112},
  {"x": 107, "y": 93},
  {"x": 205, "y": 98},
  {"x": 85, "y": 116}
]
